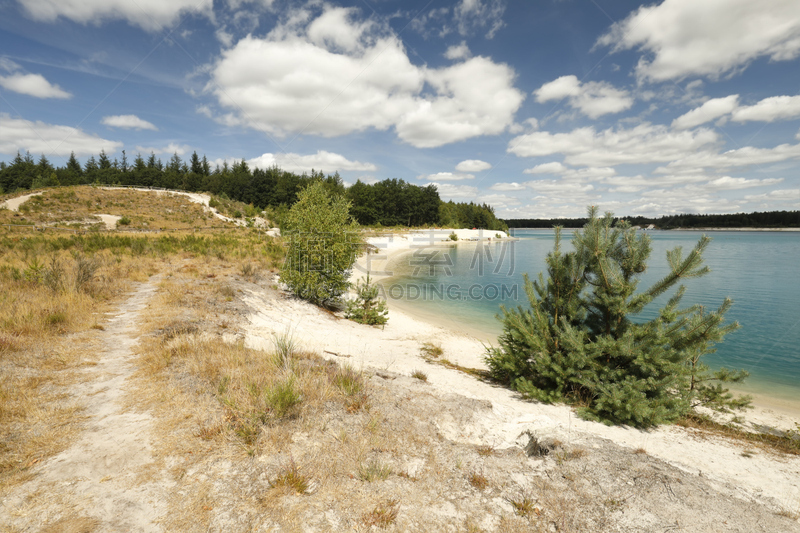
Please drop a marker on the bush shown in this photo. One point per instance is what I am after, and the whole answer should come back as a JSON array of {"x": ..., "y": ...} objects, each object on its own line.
[
  {"x": 367, "y": 307},
  {"x": 322, "y": 246},
  {"x": 124, "y": 221},
  {"x": 577, "y": 341}
]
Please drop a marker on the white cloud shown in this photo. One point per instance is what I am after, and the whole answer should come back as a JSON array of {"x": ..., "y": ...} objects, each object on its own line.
[
  {"x": 740, "y": 157},
  {"x": 473, "y": 165},
  {"x": 769, "y": 110},
  {"x": 150, "y": 15},
  {"x": 474, "y": 15},
  {"x": 447, "y": 176},
  {"x": 342, "y": 75},
  {"x": 171, "y": 148},
  {"x": 128, "y": 122},
  {"x": 449, "y": 190},
  {"x": 573, "y": 174},
  {"x": 560, "y": 187},
  {"x": 645, "y": 143},
  {"x": 707, "y": 38},
  {"x": 458, "y": 51},
  {"x": 711, "y": 110},
  {"x": 513, "y": 186},
  {"x": 729, "y": 183},
  {"x": 594, "y": 99},
  {"x": 498, "y": 201},
  {"x": 328, "y": 162},
  {"x": 50, "y": 139},
  {"x": 554, "y": 167},
  {"x": 33, "y": 85}
]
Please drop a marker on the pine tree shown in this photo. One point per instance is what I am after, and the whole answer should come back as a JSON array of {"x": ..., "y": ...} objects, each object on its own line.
[
  {"x": 578, "y": 342},
  {"x": 367, "y": 307}
]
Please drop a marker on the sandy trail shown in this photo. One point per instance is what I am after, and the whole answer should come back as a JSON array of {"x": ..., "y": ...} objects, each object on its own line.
[
  {"x": 96, "y": 478},
  {"x": 14, "y": 203}
]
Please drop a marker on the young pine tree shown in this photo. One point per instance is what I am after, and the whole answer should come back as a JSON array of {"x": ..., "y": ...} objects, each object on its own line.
[
  {"x": 367, "y": 307},
  {"x": 577, "y": 341}
]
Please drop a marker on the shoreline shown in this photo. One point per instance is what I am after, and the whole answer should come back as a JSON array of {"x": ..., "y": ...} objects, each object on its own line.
[{"x": 772, "y": 410}]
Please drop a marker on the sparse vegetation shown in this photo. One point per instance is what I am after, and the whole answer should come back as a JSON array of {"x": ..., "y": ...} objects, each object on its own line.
[
  {"x": 420, "y": 375},
  {"x": 431, "y": 351},
  {"x": 374, "y": 470},
  {"x": 478, "y": 480},
  {"x": 383, "y": 515}
]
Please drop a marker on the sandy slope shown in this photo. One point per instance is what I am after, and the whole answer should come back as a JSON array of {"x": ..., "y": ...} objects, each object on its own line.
[{"x": 764, "y": 477}]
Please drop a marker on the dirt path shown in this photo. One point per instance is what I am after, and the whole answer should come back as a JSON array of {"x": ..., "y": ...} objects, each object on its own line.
[
  {"x": 14, "y": 203},
  {"x": 97, "y": 484}
]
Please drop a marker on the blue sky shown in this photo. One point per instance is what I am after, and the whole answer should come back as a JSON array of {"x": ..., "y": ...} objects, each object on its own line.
[{"x": 538, "y": 108}]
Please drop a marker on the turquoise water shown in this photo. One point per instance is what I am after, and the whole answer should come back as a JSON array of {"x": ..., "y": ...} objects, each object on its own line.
[{"x": 464, "y": 287}]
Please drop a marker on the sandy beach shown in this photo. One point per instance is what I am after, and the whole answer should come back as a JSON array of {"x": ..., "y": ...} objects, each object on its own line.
[{"x": 755, "y": 476}]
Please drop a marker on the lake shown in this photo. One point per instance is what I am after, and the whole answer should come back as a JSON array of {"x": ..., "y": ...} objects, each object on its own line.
[{"x": 462, "y": 287}]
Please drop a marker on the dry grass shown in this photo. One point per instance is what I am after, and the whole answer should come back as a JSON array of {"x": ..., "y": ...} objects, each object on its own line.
[
  {"x": 430, "y": 350},
  {"x": 420, "y": 375},
  {"x": 76, "y": 207},
  {"x": 788, "y": 442},
  {"x": 383, "y": 515},
  {"x": 478, "y": 480},
  {"x": 50, "y": 307}
]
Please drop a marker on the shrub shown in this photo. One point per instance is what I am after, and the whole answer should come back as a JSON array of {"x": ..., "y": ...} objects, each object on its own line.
[
  {"x": 322, "y": 246},
  {"x": 367, "y": 307},
  {"x": 124, "y": 221},
  {"x": 577, "y": 341},
  {"x": 453, "y": 236}
]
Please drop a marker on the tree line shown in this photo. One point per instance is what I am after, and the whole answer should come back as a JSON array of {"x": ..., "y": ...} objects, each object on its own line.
[
  {"x": 767, "y": 219},
  {"x": 391, "y": 202}
]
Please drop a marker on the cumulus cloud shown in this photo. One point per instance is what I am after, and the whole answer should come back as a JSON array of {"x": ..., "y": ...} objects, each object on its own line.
[
  {"x": 150, "y": 15},
  {"x": 769, "y": 110},
  {"x": 645, "y": 143},
  {"x": 741, "y": 157},
  {"x": 51, "y": 139},
  {"x": 169, "y": 149},
  {"x": 33, "y": 85},
  {"x": 513, "y": 186},
  {"x": 708, "y": 38},
  {"x": 336, "y": 74},
  {"x": 568, "y": 173},
  {"x": 498, "y": 201},
  {"x": 459, "y": 51},
  {"x": 447, "y": 176},
  {"x": 711, "y": 110},
  {"x": 449, "y": 191},
  {"x": 128, "y": 122},
  {"x": 473, "y": 165},
  {"x": 594, "y": 99},
  {"x": 321, "y": 161}
]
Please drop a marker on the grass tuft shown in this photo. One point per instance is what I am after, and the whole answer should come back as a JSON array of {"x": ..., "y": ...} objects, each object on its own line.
[
  {"x": 420, "y": 375},
  {"x": 282, "y": 397},
  {"x": 383, "y": 515},
  {"x": 430, "y": 350},
  {"x": 291, "y": 479},
  {"x": 374, "y": 471},
  {"x": 478, "y": 480}
]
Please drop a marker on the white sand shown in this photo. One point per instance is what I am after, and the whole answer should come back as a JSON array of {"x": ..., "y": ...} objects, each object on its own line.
[
  {"x": 14, "y": 203},
  {"x": 773, "y": 479}
]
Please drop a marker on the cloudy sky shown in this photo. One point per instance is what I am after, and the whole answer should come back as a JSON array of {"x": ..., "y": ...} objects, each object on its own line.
[{"x": 539, "y": 108}]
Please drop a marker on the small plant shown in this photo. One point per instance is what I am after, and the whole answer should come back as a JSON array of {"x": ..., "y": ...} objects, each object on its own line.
[
  {"x": 85, "y": 269},
  {"x": 383, "y": 515},
  {"x": 285, "y": 348},
  {"x": 420, "y": 375},
  {"x": 430, "y": 350},
  {"x": 367, "y": 307},
  {"x": 524, "y": 506},
  {"x": 478, "y": 480},
  {"x": 124, "y": 221},
  {"x": 348, "y": 380},
  {"x": 453, "y": 236},
  {"x": 484, "y": 450},
  {"x": 292, "y": 479},
  {"x": 282, "y": 397},
  {"x": 374, "y": 471},
  {"x": 249, "y": 270}
]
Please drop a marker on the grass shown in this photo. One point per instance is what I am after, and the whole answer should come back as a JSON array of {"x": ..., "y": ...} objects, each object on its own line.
[
  {"x": 291, "y": 479},
  {"x": 374, "y": 471},
  {"x": 382, "y": 515},
  {"x": 430, "y": 350},
  {"x": 478, "y": 480},
  {"x": 786, "y": 443},
  {"x": 420, "y": 375}
]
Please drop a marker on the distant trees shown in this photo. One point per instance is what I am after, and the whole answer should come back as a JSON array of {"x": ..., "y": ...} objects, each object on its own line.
[
  {"x": 770, "y": 219},
  {"x": 391, "y": 202},
  {"x": 578, "y": 340}
]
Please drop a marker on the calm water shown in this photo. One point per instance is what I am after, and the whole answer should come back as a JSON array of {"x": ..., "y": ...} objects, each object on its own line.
[{"x": 464, "y": 287}]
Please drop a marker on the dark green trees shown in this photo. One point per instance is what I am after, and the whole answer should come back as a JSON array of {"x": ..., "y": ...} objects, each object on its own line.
[{"x": 577, "y": 341}]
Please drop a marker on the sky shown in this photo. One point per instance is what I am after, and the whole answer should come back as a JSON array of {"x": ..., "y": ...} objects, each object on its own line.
[{"x": 539, "y": 108}]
